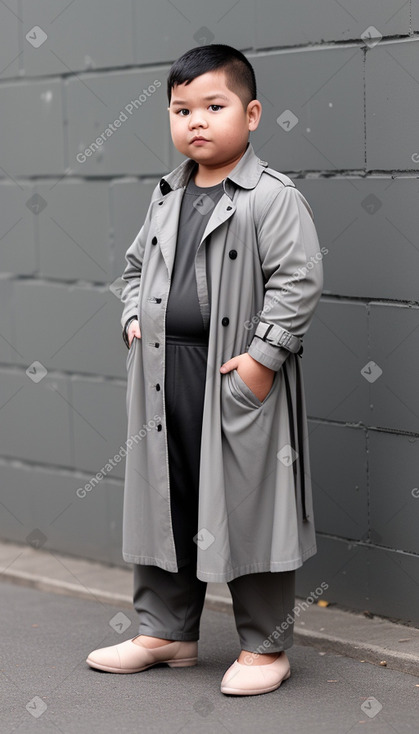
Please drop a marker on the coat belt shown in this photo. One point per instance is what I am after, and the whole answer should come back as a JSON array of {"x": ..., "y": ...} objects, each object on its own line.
[{"x": 296, "y": 435}]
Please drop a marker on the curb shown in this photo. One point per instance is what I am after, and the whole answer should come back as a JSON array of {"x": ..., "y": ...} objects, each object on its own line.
[
  {"x": 365, "y": 653},
  {"x": 44, "y": 583}
]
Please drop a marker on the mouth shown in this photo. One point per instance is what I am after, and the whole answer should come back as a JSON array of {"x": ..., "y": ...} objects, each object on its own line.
[{"x": 199, "y": 139}]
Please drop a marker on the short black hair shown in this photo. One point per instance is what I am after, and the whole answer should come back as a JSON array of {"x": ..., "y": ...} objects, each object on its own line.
[{"x": 240, "y": 77}]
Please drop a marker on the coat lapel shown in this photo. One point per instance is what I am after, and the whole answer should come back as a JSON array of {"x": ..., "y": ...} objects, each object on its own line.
[
  {"x": 246, "y": 175},
  {"x": 167, "y": 220},
  {"x": 224, "y": 209}
]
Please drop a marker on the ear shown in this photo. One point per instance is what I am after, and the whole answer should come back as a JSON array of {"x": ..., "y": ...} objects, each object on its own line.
[{"x": 254, "y": 112}]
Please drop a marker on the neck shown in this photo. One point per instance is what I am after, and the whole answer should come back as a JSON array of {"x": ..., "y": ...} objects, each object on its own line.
[{"x": 206, "y": 176}]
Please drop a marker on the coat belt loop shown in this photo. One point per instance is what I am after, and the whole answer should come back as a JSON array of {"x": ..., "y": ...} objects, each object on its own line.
[{"x": 265, "y": 336}]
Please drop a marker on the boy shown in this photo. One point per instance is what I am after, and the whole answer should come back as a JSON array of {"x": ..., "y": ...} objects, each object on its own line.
[{"x": 222, "y": 282}]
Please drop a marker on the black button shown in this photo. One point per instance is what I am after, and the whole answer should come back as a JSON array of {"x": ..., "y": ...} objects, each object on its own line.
[
  {"x": 157, "y": 387},
  {"x": 225, "y": 321},
  {"x": 159, "y": 427},
  {"x": 154, "y": 241},
  {"x": 160, "y": 203},
  {"x": 158, "y": 300},
  {"x": 156, "y": 344},
  {"x": 232, "y": 254},
  {"x": 229, "y": 208}
]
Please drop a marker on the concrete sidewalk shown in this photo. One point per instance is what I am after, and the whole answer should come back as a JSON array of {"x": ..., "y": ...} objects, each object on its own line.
[{"x": 330, "y": 629}]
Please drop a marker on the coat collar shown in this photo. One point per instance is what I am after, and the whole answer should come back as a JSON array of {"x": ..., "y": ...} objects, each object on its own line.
[{"x": 245, "y": 174}]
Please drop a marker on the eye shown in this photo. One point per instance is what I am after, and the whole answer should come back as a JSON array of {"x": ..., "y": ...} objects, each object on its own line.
[
  {"x": 218, "y": 106},
  {"x": 183, "y": 110}
]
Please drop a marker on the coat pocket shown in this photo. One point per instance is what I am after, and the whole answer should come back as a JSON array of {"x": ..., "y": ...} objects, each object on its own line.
[
  {"x": 242, "y": 392},
  {"x": 130, "y": 352}
]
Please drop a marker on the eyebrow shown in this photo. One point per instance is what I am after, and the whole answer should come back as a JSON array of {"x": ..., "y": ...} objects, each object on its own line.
[{"x": 207, "y": 99}]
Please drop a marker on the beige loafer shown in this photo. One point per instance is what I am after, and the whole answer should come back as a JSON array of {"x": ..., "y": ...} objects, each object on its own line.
[
  {"x": 129, "y": 657},
  {"x": 250, "y": 680}
]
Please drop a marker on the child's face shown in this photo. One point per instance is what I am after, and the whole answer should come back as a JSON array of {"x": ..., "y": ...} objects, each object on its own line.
[{"x": 208, "y": 122}]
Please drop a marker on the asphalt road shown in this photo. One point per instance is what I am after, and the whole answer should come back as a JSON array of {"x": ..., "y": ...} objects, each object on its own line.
[{"x": 46, "y": 685}]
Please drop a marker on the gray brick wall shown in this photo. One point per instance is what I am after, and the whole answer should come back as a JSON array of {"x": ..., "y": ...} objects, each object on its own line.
[{"x": 340, "y": 110}]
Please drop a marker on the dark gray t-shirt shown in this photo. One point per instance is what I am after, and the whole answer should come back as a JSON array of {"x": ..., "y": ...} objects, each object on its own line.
[{"x": 183, "y": 315}]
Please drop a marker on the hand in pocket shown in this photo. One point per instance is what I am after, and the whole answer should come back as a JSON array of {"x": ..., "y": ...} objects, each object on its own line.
[
  {"x": 258, "y": 378},
  {"x": 133, "y": 331}
]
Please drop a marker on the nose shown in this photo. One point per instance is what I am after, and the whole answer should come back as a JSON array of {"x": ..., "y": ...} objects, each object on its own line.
[{"x": 197, "y": 119}]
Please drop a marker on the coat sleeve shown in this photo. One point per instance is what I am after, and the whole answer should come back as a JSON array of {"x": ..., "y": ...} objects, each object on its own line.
[
  {"x": 291, "y": 262},
  {"x": 132, "y": 273}
]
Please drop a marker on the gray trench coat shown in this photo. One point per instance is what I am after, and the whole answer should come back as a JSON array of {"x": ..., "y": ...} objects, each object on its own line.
[{"x": 259, "y": 278}]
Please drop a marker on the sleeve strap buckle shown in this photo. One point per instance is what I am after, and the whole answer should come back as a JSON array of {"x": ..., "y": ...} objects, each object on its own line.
[{"x": 279, "y": 337}]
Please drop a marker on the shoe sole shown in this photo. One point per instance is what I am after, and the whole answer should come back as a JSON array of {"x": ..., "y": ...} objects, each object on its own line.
[
  {"x": 181, "y": 663},
  {"x": 253, "y": 691}
]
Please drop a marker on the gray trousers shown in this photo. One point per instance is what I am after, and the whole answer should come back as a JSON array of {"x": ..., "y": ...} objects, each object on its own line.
[{"x": 170, "y": 605}]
